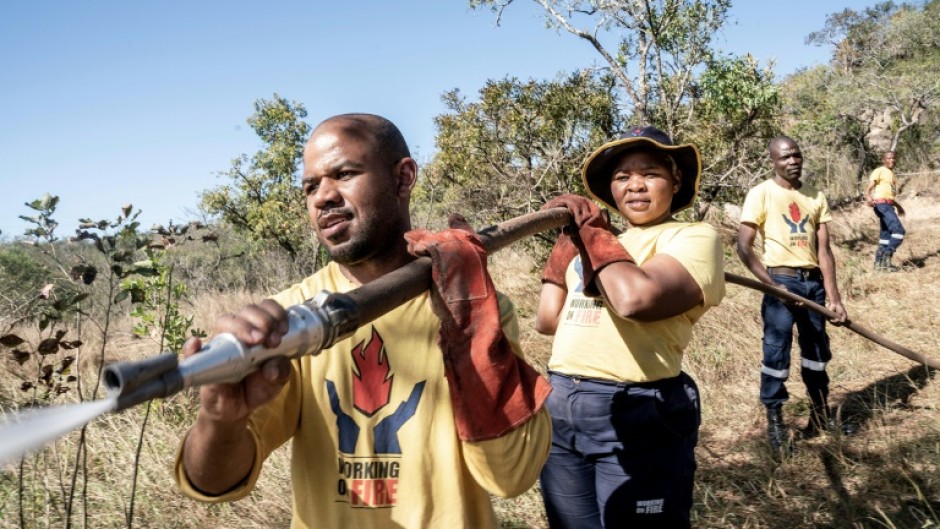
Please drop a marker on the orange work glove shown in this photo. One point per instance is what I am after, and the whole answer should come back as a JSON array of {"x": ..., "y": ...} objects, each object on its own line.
[
  {"x": 492, "y": 389},
  {"x": 599, "y": 247},
  {"x": 557, "y": 263}
]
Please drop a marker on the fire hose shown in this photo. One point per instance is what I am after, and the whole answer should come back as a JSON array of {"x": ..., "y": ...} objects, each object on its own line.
[
  {"x": 330, "y": 317},
  {"x": 313, "y": 326}
]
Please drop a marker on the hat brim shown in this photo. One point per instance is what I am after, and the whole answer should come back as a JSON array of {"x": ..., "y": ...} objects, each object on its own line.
[{"x": 597, "y": 170}]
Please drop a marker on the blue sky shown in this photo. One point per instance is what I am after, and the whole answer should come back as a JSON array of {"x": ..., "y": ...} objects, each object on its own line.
[{"x": 105, "y": 103}]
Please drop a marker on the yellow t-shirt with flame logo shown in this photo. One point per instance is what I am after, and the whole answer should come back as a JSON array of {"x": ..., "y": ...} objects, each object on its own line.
[
  {"x": 787, "y": 220},
  {"x": 374, "y": 444}
]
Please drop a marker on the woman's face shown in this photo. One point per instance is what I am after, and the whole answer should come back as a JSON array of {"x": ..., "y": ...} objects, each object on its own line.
[{"x": 643, "y": 184}]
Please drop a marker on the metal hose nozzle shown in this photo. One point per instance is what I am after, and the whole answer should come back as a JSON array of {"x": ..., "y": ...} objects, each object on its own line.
[{"x": 312, "y": 327}]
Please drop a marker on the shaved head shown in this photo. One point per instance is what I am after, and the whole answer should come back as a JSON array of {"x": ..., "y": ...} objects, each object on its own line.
[
  {"x": 357, "y": 180},
  {"x": 787, "y": 160},
  {"x": 779, "y": 141},
  {"x": 381, "y": 133}
]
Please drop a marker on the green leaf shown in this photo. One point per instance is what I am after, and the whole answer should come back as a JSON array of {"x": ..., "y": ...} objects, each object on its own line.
[
  {"x": 138, "y": 295},
  {"x": 66, "y": 363},
  {"x": 89, "y": 275},
  {"x": 79, "y": 298},
  {"x": 10, "y": 340},
  {"x": 48, "y": 346},
  {"x": 146, "y": 271},
  {"x": 21, "y": 356}
]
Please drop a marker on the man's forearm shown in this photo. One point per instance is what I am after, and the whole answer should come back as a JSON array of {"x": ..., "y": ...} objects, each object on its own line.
[
  {"x": 754, "y": 264},
  {"x": 827, "y": 266},
  {"x": 218, "y": 456}
]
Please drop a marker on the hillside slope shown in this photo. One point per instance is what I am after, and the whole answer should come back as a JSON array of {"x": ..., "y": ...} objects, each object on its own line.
[{"x": 885, "y": 476}]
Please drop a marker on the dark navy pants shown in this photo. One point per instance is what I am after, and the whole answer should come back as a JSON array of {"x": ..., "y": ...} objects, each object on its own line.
[
  {"x": 779, "y": 319},
  {"x": 622, "y": 454},
  {"x": 892, "y": 231}
]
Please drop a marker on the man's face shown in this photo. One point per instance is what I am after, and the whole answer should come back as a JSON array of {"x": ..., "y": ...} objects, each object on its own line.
[
  {"x": 890, "y": 159},
  {"x": 787, "y": 160},
  {"x": 352, "y": 194},
  {"x": 642, "y": 185}
]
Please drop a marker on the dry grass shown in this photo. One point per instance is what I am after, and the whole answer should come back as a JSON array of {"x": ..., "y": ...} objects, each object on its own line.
[{"x": 884, "y": 477}]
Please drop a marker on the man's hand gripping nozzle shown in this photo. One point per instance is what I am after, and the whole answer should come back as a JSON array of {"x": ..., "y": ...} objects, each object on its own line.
[{"x": 313, "y": 326}]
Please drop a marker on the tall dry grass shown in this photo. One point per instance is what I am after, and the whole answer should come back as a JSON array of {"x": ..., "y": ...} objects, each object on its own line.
[{"x": 885, "y": 477}]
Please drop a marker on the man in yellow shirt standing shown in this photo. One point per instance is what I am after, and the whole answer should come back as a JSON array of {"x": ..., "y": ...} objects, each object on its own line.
[
  {"x": 881, "y": 194},
  {"x": 417, "y": 417},
  {"x": 792, "y": 218}
]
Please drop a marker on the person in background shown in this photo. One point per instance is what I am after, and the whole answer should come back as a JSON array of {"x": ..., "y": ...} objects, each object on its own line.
[
  {"x": 792, "y": 218},
  {"x": 881, "y": 194},
  {"x": 625, "y": 417},
  {"x": 418, "y": 416}
]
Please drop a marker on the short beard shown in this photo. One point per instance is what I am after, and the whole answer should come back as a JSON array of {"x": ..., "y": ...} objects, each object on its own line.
[
  {"x": 376, "y": 238},
  {"x": 351, "y": 253}
]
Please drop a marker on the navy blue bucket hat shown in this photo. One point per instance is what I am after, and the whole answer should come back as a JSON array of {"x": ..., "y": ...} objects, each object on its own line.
[{"x": 597, "y": 169}]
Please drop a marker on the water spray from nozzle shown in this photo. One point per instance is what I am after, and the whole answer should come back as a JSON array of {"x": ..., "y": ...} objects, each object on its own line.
[{"x": 313, "y": 326}]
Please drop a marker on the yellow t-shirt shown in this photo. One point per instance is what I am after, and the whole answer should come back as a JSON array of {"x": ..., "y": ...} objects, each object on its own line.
[
  {"x": 374, "y": 443},
  {"x": 886, "y": 184},
  {"x": 592, "y": 341},
  {"x": 787, "y": 220}
]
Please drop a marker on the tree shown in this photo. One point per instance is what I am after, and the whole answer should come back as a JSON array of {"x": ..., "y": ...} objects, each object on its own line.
[
  {"x": 879, "y": 88},
  {"x": 734, "y": 118},
  {"x": 521, "y": 144},
  {"x": 854, "y": 35},
  {"x": 264, "y": 199},
  {"x": 659, "y": 53},
  {"x": 653, "y": 48}
]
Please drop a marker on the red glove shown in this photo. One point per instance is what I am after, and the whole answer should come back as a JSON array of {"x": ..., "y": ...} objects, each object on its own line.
[
  {"x": 492, "y": 389},
  {"x": 598, "y": 245},
  {"x": 557, "y": 263}
]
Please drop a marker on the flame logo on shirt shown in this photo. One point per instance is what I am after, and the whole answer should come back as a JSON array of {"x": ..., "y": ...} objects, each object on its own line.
[
  {"x": 794, "y": 212},
  {"x": 372, "y": 384},
  {"x": 799, "y": 222}
]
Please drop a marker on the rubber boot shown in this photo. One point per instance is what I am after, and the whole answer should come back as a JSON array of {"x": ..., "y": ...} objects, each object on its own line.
[
  {"x": 879, "y": 261},
  {"x": 886, "y": 263},
  {"x": 777, "y": 433},
  {"x": 821, "y": 419}
]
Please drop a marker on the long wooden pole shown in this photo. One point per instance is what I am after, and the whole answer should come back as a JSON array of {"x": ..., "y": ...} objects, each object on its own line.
[
  {"x": 389, "y": 291},
  {"x": 849, "y": 324}
]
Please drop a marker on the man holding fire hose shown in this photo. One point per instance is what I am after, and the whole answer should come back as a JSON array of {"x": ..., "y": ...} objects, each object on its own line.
[{"x": 414, "y": 419}]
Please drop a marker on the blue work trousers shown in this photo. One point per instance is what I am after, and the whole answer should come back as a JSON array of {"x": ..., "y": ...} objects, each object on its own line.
[
  {"x": 892, "y": 231},
  {"x": 779, "y": 319},
  {"x": 622, "y": 454}
]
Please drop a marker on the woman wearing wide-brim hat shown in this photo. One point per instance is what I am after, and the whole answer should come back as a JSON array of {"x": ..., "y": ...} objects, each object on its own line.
[{"x": 625, "y": 417}]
